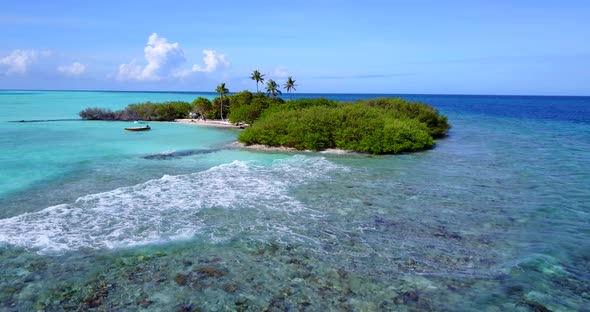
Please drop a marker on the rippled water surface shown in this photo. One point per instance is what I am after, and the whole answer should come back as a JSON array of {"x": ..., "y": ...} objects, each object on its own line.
[{"x": 494, "y": 218}]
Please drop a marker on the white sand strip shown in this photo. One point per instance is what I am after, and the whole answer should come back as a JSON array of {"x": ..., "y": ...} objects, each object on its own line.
[{"x": 208, "y": 123}]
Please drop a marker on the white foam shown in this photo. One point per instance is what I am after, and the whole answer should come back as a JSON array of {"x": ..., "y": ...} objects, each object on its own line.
[{"x": 170, "y": 208}]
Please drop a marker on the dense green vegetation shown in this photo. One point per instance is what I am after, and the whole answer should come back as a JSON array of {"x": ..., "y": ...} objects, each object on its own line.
[
  {"x": 247, "y": 107},
  {"x": 399, "y": 108},
  {"x": 204, "y": 107},
  {"x": 167, "y": 111},
  {"x": 362, "y": 126}
]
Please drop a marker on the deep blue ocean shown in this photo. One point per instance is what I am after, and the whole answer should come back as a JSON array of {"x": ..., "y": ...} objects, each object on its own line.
[{"x": 495, "y": 218}]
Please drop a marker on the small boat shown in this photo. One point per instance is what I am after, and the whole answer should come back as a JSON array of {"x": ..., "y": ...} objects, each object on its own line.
[{"x": 145, "y": 128}]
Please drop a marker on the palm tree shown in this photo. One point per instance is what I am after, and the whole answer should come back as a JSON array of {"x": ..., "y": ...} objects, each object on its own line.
[
  {"x": 290, "y": 84},
  {"x": 272, "y": 87},
  {"x": 256, "y": 75},
  {"x": 221, "y": 89}
]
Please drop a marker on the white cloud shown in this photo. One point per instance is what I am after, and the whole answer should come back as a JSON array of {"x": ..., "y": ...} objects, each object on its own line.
[
  {"x": 129, "y": 71},
  {"x": 74, "y": 69},
  {"x": 162, "y": 58},
  {"x": 18, "y": 61},
  {"x": 212, "y": 60},
  {"x": 280, "y": 72}
]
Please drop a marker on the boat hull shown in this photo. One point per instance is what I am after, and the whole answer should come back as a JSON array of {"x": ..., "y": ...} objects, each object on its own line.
[{"x": 138, "y": 128}]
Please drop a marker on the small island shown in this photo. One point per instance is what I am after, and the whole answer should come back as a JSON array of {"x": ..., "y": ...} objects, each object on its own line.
[{"x": 376, "y": 126}]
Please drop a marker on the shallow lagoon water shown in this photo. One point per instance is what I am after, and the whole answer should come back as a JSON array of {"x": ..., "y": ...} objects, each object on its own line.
[{"x": 494, "y": 218}]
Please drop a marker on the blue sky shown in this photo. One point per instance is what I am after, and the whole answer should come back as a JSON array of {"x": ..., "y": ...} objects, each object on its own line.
[{"x": 443, "y": 47}]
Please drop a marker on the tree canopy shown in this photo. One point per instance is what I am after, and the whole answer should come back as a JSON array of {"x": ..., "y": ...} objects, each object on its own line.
[
  {"x": 272, "y": 88},
  {"x": 222, "y": 90},
  {"x": 290, "y": 85},
  {"x": 258, "y": 77}
]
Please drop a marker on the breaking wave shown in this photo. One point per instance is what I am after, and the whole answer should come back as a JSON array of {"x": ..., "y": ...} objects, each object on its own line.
[{"x": 166, "y": 209}]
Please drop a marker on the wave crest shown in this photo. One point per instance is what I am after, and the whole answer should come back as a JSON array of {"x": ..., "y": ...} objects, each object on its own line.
[{"x": 169, "y": 208}]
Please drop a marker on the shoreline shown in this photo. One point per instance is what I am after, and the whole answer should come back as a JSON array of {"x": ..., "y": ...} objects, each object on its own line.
[
  {"x": 209, "y": 123},
  {"x": 256, "y": 147},
  {"x": 264, "y": 148}
]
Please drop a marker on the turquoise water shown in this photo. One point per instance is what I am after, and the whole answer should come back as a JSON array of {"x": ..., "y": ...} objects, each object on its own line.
[{"x": 495, "y": 218}]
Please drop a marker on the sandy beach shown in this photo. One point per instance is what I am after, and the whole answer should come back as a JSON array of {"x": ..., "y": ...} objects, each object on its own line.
[
  {"x": 208, "y": 123},
  {"x": 264, "y": 148},
  {"x": 260, "y": 147}
]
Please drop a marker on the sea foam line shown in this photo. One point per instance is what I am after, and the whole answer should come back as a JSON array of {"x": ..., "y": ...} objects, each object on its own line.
[{"x": 165, "y": 209}]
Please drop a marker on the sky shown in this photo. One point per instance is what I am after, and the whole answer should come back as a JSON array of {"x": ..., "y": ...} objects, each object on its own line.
[{"x": 328, "y": 46}]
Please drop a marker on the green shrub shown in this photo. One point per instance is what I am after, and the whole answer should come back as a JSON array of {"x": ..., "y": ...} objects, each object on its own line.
[
  {"x": 142, "y": 111},
  {"x": 355, "y": 127},
  {"x": 215, "y": 112},
  {"x": 247, "y": 107},
  {"x": 245, "y": 113},
  {"x": 202, "y": 106},
  {"x": 438, "y": 124},
  {"x": 94, "y": 113},
  {"x": 281, "y": 105},
  {"x": 167, "y": 111}
]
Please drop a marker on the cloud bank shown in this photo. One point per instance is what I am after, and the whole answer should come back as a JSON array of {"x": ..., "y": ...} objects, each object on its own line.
[{"x": 18, "y": 61}]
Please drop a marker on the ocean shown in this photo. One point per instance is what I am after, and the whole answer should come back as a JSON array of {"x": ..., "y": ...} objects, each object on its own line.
[{"x": 495, "y": 218}]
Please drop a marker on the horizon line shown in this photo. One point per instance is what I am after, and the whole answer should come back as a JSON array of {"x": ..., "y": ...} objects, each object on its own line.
[{"x": 312, "y": 93}]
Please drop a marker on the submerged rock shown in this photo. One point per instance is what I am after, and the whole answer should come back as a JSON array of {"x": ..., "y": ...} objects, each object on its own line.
[
  {"x": 181, "y": 279},
  {"x": 277, "y": 304},
  {"x": 303, "y": 306},
  {"x": 144, "y": 302},
  {"x": 533, "y": 300},
  {"x": 295, "y": 261},
  {"x": 537, "y": 307},
  {"x": 100, "y": 292},
  {"x": 342, "y": 273},
  {"x": 242, "y": 305},
  {"x": 209, "y": 271},
  {"x": 37, "y": 266},
  {"x": 408, "y": 297},
  {"x": 93, "y": 301},
  {"x": 444, "y": 233},
  {"x": 185, "y": 308},
  {"x": 230, "y": 287}
]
